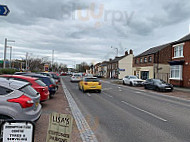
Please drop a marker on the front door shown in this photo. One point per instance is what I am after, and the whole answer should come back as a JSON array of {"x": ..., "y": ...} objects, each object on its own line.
[{"x": 144, "y": 75}]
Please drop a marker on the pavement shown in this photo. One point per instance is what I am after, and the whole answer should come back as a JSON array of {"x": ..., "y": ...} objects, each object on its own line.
[
  {"x": 57, "y": 104},
  {"x": 131, "y": 114}
]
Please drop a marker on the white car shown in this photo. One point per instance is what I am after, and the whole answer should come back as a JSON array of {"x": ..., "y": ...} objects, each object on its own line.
[
  {"x": 76, "y": 77},
  {"x": 132, "y": 81}
]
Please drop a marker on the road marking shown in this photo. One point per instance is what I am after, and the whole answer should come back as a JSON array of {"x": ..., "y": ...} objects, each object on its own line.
[
  {"x": 88, "y": 94},
  {"x": 144, "y": 111},
  {"x": 85, "y": 131},
  {"x": 107, "y": 95},
  {"x": 138, "y": 92}
]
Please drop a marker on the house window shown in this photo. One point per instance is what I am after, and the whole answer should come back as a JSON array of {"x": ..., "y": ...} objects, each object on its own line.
[
  {"x": 176, "y": 72},
  {"x": 178, "y": 51},
  {"x": 141, "y": 60},
  {"x": 150, "y": 59},
  {"x": 145, "y": 60}
]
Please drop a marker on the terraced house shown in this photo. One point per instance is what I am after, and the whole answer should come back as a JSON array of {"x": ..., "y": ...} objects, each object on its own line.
[
  {"x": 153, "y": 63},
  {"x": 180, "y": 64}
]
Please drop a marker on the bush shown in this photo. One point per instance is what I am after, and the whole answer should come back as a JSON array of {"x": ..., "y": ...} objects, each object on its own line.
[{"x": 8, "y": 71}]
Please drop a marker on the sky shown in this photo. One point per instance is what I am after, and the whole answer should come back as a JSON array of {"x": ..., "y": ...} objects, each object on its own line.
[{"x": 84, "y": 30}]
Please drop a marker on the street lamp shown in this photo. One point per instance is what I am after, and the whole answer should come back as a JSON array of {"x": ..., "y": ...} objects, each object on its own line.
[
  {"x": 5, "y": 51},
  {"x": 10, "y": 55},
  {"x": 116, "y": 50}
]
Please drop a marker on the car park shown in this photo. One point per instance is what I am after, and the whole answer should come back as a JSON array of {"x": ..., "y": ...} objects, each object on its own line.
[
  {"x": 55, "y": 77},
  {"x": 90, "y": 84},
  {"x": 47, "y": 80},
  {"x": 132, "y": 81},
  {"x": 37, "y": 84},
  {"x": 19, "y": 101},
  {"x": 158, "y": 85},
  {"x": 76, "y": 77}
]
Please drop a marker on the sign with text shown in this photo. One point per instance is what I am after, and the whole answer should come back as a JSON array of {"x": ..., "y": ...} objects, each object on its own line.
[
  {"x": 60, "y": 128},
  {"x": 18, "y": 132}
]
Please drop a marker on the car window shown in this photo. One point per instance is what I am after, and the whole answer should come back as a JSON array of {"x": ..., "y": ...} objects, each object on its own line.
[
  {"x": 133, "y": 77},
  {"x": 91, "y": 80},
  {"x": 126, "y": 76},
  {"x": 5, "y": 91},
  {"x": 39, "y": 82},
  {"x": 29, "y": 90}
]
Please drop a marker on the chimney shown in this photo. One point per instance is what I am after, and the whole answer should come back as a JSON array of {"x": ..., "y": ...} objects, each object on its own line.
[
  {"x": 126, "y": 53},
  {"x": 131, "y": 51},
  {"x": 110, "y": 60}
]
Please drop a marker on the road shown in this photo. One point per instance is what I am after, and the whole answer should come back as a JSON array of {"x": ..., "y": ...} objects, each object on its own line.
[{"x": 124, "y": 114}]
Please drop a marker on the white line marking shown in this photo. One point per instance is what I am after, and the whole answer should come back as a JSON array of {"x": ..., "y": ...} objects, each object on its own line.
[
  {"x": 138, "y": 92},
  {"x": 85, "y": 131},
  {"x": 107, "y": 95},
  {"x": 88, "y": 94},
  {"x": 144, "y": 111}
]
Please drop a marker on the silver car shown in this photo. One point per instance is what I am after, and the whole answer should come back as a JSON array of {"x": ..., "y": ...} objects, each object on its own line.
[
  {"x": 76, "y": 77},
  {"x": 18, "y": 101}
]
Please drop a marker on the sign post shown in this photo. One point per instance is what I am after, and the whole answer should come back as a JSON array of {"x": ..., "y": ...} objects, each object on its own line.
[
  {"x": 4, "y": 10},
  {"x": 60, "y": 128}
]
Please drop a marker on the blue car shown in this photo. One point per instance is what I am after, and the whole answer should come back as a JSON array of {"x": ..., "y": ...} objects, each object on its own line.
[{"x": 47, "y": 80}]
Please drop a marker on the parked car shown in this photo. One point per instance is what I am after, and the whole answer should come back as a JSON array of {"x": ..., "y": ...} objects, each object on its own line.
[
  {"x": 47, "y": 80},
  {"x": 20, "y": 73},
  {"x": 90, "y": 83},
  {"x": 18, "y": 101},
  {"x": 132, "y": 80},
  {"x": 48, "y": 74},
  {"x": 158, "y": 85},
  {"x": 64, "y": 74},
  {"x": 76, "y": 77},
  {"x": 37, "y": 84},
  {"x": 55, "y": 76}
]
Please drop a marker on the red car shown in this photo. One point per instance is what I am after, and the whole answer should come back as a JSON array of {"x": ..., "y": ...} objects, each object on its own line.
[{"x": 37, "y": 84}]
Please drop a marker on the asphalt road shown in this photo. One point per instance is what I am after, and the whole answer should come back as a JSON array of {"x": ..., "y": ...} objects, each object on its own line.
[{"x": 124, "y": 114}]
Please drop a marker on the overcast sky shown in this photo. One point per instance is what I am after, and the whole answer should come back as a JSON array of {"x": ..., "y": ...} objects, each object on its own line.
[{"x": 81, "y": 30}]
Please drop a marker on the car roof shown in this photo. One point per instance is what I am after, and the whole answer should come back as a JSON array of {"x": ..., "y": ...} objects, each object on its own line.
[
  {"x": 12, "y": 84},
  {"x": 36, "y": 75},
  {"x": 21, "y": 77}
]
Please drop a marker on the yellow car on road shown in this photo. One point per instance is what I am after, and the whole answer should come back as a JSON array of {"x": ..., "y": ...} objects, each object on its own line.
[{"x": 90, "y": 83}]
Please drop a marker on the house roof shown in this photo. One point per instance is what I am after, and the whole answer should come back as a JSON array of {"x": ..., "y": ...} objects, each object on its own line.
[
  {"x": 153, "y": 50},
  {"x": 183, "y": 39}
]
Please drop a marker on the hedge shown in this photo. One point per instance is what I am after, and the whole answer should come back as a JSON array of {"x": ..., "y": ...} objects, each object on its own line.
[{"x": 8, "y": 71}]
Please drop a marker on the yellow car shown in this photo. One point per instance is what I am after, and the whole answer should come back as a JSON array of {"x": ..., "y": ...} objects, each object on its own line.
[{"x": 90, "y": 83}]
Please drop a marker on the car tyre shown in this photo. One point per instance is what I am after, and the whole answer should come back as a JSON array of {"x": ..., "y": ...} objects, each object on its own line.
[
  {"x": 123, "y": 82},
  {"x": 83, "y": 90},
  {"x": 131, "y": 84},
  {"x": 145, "y": 87}
]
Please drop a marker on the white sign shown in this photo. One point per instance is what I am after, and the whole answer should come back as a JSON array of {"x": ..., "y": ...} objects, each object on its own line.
[{"x": 17, "y": 132}]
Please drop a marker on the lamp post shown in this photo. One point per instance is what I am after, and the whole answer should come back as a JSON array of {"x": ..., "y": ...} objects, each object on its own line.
[
  {"x": 5, "y": 51},
  {"x": 10, "y": 55},
  {"x": 116, "y": 50}
]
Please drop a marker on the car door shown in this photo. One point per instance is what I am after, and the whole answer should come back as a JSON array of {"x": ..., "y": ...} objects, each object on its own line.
[
  {"x": 125, "y": 79},
  {"x": 151, "y": 84}
]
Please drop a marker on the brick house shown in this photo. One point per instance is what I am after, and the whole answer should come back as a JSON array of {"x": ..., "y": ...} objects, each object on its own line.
[
  {"x": 153, "y": 63},
  {"x": 180, "y": 63},
  {"x": 104, "y": 69}
]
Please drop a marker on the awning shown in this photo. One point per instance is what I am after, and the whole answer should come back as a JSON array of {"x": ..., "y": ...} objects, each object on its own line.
[{"x": 181, "y": 62}]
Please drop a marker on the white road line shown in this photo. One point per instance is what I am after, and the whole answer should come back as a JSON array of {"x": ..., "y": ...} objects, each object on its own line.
[
  {"x": 88, "y": 94},
  {"x": 107, "y": 95},
  {"x": 85, "y": 131},
  {"x": 144, "y": 111},
  {"x": 138, "y": 92}
]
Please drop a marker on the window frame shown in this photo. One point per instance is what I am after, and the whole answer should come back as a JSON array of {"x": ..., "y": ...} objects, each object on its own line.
[
  {"x": 176, "y": 69},
  {"x": 178, "y": 50}
]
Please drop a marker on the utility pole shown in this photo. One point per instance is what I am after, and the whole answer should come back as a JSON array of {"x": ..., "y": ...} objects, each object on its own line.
[
  {"x": 26, "y": 60},
  {"x": 5, "y": 52},
  {"x": 52, "y": 59}
]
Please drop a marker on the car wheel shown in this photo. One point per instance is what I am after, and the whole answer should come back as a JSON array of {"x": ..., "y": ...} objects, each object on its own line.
[
  {"x": 123, "y": 82},
  {"x": 145, "y": 87},
  {"x": 83, "y": 90},
  {"x": 131, "y": 84},
  {"x": 157, "y": 89}
]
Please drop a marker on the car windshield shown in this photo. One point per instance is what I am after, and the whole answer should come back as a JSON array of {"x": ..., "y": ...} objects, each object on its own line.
[
  {"x": 133, "y": 77},
  {"x": 77, "y": 75},
  {"x": 39, "y": 82},
  {"x": 159, "y": 81},
  {"x": 29, "y": 90}
]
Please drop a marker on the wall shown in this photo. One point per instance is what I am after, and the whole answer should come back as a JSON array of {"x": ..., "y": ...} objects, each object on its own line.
[
  {"x": 127, "y": 64},
  {"x": 147, "y": 68}
]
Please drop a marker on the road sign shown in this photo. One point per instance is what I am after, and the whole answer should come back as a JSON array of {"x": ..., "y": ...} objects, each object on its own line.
[
  {"x": 4, "y": 10},
  {"x": 60, "y": 128},
  {"x": 18, "y": 131}
]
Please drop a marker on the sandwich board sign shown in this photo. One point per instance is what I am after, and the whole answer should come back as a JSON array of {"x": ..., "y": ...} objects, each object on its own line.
[
  {"x": 14, "y": 131},
  {"x": 60, "y": 128}
]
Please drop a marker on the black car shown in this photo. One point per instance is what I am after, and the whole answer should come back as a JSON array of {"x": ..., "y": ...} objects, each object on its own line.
[
  {"x": 158, "y": 85},
  {"x": 47, "y": 80}
]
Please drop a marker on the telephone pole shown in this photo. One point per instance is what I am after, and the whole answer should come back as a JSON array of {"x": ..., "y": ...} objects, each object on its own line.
[{"x": 52, "y": 59}]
